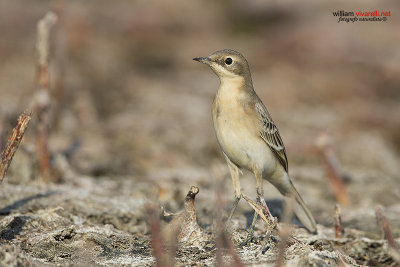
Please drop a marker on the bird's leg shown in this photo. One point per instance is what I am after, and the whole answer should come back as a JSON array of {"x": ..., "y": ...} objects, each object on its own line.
[
  {"x": 260, "y": 199},
  {"x": 232, "y": 210},
  {"x": 236, "y": 186},
  {"x": 251, "y": 229}
]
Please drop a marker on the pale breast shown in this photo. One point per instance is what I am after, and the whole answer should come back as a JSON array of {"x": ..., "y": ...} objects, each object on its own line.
[{"x": 238, "y": 134}]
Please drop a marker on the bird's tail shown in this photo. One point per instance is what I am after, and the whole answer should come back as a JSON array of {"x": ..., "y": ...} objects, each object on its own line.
[
  {"x": 286, "y": 187},
  {"x": 302, "y": 212}
]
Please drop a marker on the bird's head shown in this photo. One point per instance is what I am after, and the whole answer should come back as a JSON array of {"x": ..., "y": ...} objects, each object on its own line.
[{"x": 227, "y": 64}]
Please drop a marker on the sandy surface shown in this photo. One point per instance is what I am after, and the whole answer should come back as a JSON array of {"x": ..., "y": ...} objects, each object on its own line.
[{"x": 131, "y": 122}]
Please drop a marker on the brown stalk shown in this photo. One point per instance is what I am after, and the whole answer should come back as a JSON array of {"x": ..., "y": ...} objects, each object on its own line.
[
  {"x": 285, "y": 233},
  {"x": 42, "y": 95},
  {"x": 157, "y": 242},
  {"x": 60, "y": 61},
  {"x": 220, "y": 234},
  {"x": 2, "y": 133},
  {"x": 13, "y": 142},
  {"x": 337, "y": 219},
  {"x": 332, "y": 167},
  {"x": 222, "y": 240},
  {"x": 156, "y": 238},
  {"x": 394, "y": 249}
]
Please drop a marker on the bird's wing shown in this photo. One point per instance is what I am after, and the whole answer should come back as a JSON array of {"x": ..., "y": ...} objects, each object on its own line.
[{"x": 270, "y": 134}]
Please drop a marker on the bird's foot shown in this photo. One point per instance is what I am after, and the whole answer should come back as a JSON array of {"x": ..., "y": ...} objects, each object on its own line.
[
  {"x": 250, "y": 234},
  {"x": 248, "y": 239}
]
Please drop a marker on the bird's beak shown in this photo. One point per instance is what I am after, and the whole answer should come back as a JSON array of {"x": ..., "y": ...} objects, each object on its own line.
[{"x": 205, "y": 60}]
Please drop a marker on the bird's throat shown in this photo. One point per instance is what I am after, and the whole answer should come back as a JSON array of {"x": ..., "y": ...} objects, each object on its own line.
[{"x": 233, "y": 86}]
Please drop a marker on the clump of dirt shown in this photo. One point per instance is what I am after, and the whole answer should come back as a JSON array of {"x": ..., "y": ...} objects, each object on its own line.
[
  {"x": 13, "y": 255},
  {"x": 57, "y": 234}
]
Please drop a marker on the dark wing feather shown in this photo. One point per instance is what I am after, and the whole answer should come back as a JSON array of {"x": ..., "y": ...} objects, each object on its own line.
[{"x": 270, "y": 135}]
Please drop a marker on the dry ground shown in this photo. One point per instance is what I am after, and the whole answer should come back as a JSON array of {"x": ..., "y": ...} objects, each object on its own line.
[{"x": 131, "y": 110}]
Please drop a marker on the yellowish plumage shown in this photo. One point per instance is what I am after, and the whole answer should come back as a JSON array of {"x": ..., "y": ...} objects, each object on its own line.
[{"x": 246, "y": 133}]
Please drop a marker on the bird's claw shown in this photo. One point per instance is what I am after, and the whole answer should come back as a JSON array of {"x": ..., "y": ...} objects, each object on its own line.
[{"x": 248, "y": 239}]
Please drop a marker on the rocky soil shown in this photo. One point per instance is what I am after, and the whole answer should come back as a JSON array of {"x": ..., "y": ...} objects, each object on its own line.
[{"x": 131, "y": 130}]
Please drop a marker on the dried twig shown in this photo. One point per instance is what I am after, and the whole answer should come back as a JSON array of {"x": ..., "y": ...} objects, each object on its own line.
[
  {"x": 14, "y": 142},
  {"x": 337, "y": 218},
  {"x": 285, "y": 233},
  {"x": 42, "y": 96},
  {"x": 60, "y": 61},
  {"x": 2, "y": 133},
  {"x": 237, "y": 262},
  {"x": 222, "y": 240},
  {"x": 394, "y": 249},
  {"x": 332, "y": 166},
  {"x": 161, "y": 258},
  {"x": 156, "y": 237}
]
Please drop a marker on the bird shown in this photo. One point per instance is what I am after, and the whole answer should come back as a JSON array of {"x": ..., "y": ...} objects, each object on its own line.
[{"x": 247, "y": 135}]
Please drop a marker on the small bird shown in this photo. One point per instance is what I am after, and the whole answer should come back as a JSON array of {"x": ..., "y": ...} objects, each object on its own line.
[{"x": 247, "y": 135}]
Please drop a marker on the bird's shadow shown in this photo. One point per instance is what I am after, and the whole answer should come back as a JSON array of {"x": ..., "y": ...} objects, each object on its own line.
[
  {"x": 19, "y": 203},
  {"x": 13, "y": 228},
  {"x": 276, "y": 207}
]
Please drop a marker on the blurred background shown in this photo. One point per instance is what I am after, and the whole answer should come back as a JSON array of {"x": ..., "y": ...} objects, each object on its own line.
[{"x": 128, "y": 102}]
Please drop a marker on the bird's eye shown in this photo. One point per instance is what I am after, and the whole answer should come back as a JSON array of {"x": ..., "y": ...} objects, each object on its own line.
[{"x": 228, "y": 61}]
